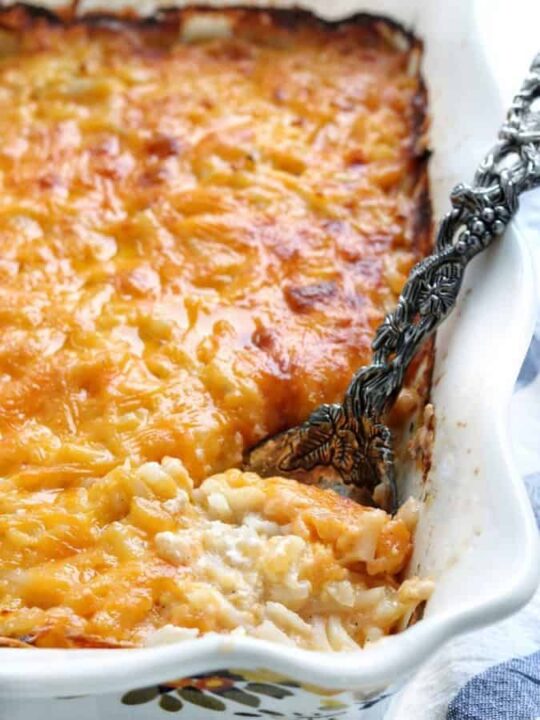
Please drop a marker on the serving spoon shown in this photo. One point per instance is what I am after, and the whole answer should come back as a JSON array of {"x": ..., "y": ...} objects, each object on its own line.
[{"x": 351, "y": 439}]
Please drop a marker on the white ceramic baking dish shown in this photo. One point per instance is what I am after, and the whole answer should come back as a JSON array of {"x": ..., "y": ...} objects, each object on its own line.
[{"x": 477, "y": 536}]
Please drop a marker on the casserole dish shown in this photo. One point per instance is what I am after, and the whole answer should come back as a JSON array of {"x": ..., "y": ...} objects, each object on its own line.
[{"x": 476, "y": 504}]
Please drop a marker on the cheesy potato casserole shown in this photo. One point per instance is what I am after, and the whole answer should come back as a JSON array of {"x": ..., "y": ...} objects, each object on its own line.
[{"x": 203, "y": 218}]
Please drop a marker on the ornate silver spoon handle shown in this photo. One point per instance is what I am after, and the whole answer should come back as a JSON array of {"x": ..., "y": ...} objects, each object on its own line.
[
  {"x": 351, "y": 437},
  {"x": 479, "y": 214}
]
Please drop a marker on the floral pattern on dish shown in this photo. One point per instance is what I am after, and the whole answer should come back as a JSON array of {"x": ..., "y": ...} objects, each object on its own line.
[{"x": 253, "y": 694}]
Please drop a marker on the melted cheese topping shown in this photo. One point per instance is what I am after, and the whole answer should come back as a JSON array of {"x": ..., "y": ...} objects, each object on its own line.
[{"x": 197, "y": 239}]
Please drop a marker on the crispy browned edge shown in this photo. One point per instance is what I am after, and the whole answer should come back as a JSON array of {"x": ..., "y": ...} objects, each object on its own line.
[{"x": 21, "y": 16}]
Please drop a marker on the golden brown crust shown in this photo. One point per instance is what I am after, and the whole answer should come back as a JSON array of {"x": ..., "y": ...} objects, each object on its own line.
[{"x": 364, "y": 215}]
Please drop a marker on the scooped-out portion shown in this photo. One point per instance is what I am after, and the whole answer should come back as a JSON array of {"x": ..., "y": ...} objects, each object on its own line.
[{"x": 160, "y": 561}]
